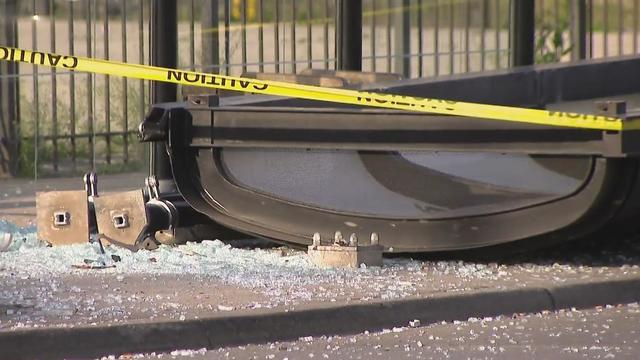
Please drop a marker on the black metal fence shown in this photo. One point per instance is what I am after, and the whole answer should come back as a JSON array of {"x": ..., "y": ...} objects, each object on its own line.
[{"x": 57, "y": 122}]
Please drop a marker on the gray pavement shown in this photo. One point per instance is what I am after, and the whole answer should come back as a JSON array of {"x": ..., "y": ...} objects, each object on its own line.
[
  {"x": 39, "y": 286},
  {"x": 41, "y": 290},
  {"x": 602, "y": 333}
]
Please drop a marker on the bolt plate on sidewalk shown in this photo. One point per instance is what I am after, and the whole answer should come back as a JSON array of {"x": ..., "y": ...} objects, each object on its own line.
[
  {"x": 345, "y": 256},
  {"x": 121, "y": 217},
  {"x": 62, "y": 217}
]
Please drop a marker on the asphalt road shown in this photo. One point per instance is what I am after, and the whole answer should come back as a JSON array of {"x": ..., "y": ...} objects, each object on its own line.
[{"x": 601, "y": 333}]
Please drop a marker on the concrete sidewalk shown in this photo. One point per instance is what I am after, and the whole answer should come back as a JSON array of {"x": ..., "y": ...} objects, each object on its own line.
[
  {"x": 260, "y": 326},
  {"x": 211, "y": 295}
]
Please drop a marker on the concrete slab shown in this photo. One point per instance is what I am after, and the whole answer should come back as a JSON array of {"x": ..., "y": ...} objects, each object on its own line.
[
  {"x": 601, "y": 333},
  {"x": 214, "y": 295}
]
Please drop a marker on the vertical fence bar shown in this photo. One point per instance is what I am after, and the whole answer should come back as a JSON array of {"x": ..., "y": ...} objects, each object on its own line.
[
  {"x": 350, "y": 34},
  {"x": 227, "y": 36},
  {"x": 309, "y": 34},
  {"x": 192, "y": 35},
  {"x": 336, "y": 47},
  {"x": 325, "y": 50},
  {"x": 125, "y": 97},
  {"x": 579, "y": 29},
  {"x": 522, "y": 32},
  {"x": 261, "y": 37},
  {"x": 293, "y": 36},
  {"x": 451, "y": 36},
  {"x": 620, "y": 27},
  {"x": 276, "y": 36},
  {"x": 107, "y": 81},
  {"x": 467, "y": 41},
  {"x": 483, "y": 33},
  {"x": 635, "y": 26},
  {"x": 420, "y": 3},
  {"x": 72, "y": 90},
  {"x": 338, "y": 34},
  {"x": 141, "y": 18},
  {"x": 90, "y": 78},
  {"x": 210, "y": 36},
  {"x": 436, "y": 37},
  {"x": 54, "y": 88},
  {"x": 605, "y": 27},
  {"x": 36, "y": 93},
  {"x": 372, "y": 40},
  {"x": 164, "y": 49},
  {"x": 498, "y": 30},
  {"x": 9, "y": 93},
  {"x": 590, "y": 29},
  {"x": 402, "y": 43},
  {"x": 389, "y": 20},
  {"x": 244, "y": 36}
]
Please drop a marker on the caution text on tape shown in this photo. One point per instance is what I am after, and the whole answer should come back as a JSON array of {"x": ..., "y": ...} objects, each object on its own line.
[{"x": 344, "y": 96}]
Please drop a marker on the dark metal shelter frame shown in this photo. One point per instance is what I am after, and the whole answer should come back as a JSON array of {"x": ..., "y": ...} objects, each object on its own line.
[{"x": 191, "y": 138}]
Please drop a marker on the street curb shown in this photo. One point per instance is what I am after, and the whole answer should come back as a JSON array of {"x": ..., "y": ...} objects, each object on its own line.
[{"x": 268, "y": 325}]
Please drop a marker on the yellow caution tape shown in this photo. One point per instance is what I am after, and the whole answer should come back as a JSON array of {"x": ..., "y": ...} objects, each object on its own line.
[{"x": 344, "y": 96}]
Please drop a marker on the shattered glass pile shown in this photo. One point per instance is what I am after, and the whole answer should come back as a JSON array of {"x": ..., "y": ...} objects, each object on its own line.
[{"x": 41, "y": 286}]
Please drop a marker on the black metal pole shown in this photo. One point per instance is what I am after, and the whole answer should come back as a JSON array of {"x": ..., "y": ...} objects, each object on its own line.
[
  {"x": 164, "y": 50},
  {"x": 349, "y": 35},
  {"x": 210, "y": 42},
  {"x": 522, "y": 32},
  {"x": 9, "y": 92},
  {"x": 579, "y": 29},
  {"x": 402, "y": 34}
]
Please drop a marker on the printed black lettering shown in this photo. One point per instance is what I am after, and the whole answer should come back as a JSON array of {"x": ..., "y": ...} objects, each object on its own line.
[
  {"x": 177, "y": 75},
  {"x": 54, "y": 59},
  {"x": 362, "y": 98},
  {"x": 244, "y": 84},
  {"x": 196, "y": 77},
  {"x": 70, "y": 65},
  {"x": 260, "y": 86},
  {"x": 401, "y": 103},
  {"x": 5, "y": 51},
  {"x": 213, "y": 81},
  {"x": 34, "y": 55}
]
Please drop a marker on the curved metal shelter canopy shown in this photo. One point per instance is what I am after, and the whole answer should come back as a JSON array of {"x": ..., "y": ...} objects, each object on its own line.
[{"x": 285, "y": 169}]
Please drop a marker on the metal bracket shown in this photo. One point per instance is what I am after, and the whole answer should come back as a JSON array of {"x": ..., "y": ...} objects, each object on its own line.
[
  {"x": 128, "y": 219},
  {"x": 62, "y": 217},
  {"x": 619, "y": 143},
  {"x": 345, "y": 253}
]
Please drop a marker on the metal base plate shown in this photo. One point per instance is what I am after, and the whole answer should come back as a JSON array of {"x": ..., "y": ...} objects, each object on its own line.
[
  {"x": 62, "y": 217},
  {"x": 121, "y": 217}
]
